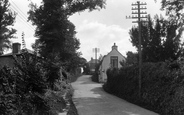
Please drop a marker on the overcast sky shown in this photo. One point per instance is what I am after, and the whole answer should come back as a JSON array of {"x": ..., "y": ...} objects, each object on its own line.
[{"x": 96, "y": 29}]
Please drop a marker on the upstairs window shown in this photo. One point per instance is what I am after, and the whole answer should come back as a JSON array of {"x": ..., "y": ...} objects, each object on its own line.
[{"x": 114, "y": 61}]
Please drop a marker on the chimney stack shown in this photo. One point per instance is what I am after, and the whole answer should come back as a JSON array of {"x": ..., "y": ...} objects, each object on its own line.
[
  {"x": 114, "y": 47},
  {"x": 16, "y": 48}
]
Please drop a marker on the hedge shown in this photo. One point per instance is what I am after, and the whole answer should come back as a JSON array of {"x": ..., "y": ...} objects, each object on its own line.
[
  {"x": 162, "y": 86},
  {"x": 33, "y": 87}
]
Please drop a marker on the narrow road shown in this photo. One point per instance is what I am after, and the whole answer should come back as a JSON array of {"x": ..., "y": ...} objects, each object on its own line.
[{"x": 91, "y": 99}]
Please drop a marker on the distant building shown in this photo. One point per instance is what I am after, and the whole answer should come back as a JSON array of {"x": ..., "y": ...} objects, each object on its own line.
[
  {"x": 8, "y": 60},
  {"x": 92, "y": 63},
  {"x": 111, "y": 60}
]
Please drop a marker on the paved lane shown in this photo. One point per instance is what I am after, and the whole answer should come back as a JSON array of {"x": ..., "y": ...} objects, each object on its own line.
[{"x": 90, "y": 99}]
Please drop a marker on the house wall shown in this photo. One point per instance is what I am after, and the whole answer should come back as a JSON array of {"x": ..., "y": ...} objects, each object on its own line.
[{"x": 106, "y": 64}]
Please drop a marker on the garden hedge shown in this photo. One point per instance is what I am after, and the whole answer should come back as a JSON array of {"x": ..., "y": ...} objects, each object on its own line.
[
  {"x": 33, "y": 86},
  {"x": 162, "y": 86}
]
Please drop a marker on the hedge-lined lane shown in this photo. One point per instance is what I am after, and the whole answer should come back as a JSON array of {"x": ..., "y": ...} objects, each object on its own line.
[{"x": 91, "y": 99}]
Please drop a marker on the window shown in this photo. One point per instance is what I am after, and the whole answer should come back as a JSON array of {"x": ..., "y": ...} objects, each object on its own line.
[{"x": 114, "y": 61}]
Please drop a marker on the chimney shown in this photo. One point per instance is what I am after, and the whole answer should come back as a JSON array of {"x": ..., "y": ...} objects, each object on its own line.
[
  {"x": 16, "y": 48},
  {"x": 114, "y": 47}
]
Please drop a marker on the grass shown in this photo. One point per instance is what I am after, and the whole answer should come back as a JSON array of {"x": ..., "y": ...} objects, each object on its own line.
[{"x": 60, "y": 100}]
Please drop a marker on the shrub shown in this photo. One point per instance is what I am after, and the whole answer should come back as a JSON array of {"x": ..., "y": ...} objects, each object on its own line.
[
  {"x": 162, "y": 86},
  {"x": 75, "y": 75},
  {"x": 95, "y": 75},
  {"x": 24, "y": 89}
]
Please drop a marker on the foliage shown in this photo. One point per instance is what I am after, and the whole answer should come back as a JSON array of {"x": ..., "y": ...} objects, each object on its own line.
[
  {"x": 7, "y": 19},
  {"x": 72, "y": 109},
  {"x": 173, "y": 9},
  {"x": 162, "y": 86},
  {"x": 29, "y": 88},
  {"x": 95, "y": 75},
  {"x": 131, "y": 59},
  {"x": 160, "y": 40},
  {"x": 56, "y": 33},
  {"x": 7, "y": 90},
  {"x": 86, "y": 68}
]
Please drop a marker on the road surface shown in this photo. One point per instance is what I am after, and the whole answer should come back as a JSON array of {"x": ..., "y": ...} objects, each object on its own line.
[{"x": 91, "y": 99}]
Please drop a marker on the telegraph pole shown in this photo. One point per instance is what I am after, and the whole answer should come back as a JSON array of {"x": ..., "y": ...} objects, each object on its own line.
[
  {"x": 23, "y": 41},
  {"x": 96, "y": 50},
  {"x": 137, "y": 11}
]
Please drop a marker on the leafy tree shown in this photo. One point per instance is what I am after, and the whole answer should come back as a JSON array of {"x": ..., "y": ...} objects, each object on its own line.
[
  {"x": 56, "y": 33},
  {"x": 159, "y": 40},
  {"x": 29, "y": 88},
  {"x": 174, "y": 9},
  {"x": 131, "y": 58},
  {"x": 82, "y": 62},
  {"x": 86, "y": 68},
  {"x": 7, "y": 19}
]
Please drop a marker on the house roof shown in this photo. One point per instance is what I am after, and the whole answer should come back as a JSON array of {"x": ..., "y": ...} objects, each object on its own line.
[
  {"x": 93, "y": 61},
  {"x": 10, "y": 54},
  {"x": 117, "y": 51},
  {"x": 110, "y": 52}
]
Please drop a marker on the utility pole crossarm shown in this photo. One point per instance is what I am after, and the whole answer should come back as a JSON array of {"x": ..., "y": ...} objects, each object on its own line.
[
  {"x": 139, "y": 8},
  {"x": 143, "y": 12},
  {"x": 138, "y": 3}
]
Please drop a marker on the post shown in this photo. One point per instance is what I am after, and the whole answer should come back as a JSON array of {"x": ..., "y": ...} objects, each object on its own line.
[
  {"x": 140, "y": 51},
  {"x": 139, "y": 17},
  {"x": 96, "y": 50},
  {"x": 95, "y": 56}
]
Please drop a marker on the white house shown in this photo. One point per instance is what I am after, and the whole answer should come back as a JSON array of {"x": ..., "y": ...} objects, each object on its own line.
[{"x": 112, "y": 59}]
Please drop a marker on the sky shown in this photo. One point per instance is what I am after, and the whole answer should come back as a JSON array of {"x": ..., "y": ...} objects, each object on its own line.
[{"x": 96, "y": 29}]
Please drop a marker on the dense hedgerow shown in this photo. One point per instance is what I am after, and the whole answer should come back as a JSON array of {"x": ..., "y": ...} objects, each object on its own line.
[
  {"x": 94, "y": 77},
  {"x": 31, "y": 87},
  {"x": 162, "y": 86}
]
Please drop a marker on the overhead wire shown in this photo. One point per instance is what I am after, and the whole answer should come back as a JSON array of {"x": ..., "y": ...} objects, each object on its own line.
[
  {"x": 23, "y": 20},
  {"x": 21, "y": 12},
  {"x": 21, "y": 15}
]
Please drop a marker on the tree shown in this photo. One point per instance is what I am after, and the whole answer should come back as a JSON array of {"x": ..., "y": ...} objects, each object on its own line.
[
  {"x": 131, "y": 58},
  {"x": 174, "y": 9},
  {"x": 7, "y": 18},
  {"x": 56, "y": 33},
  {"x": 86, "y": 68},
  {"x": 159, "y": 40}
]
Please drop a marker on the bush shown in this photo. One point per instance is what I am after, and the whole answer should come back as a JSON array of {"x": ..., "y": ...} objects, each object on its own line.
[
  {"x": 162, "y": 86},
  {"x": 32, "y": 87},
  {"x": 95, "y": 75},
  {"x": 75, "y": 75}
]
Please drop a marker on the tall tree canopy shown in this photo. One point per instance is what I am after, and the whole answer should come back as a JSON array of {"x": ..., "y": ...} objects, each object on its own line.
[
  {"x": 174, "y": 9},
  {"x": 159, "y": 40},
  {"x": 7, "y": 18},
  {"x": 56, "y": 33}
]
